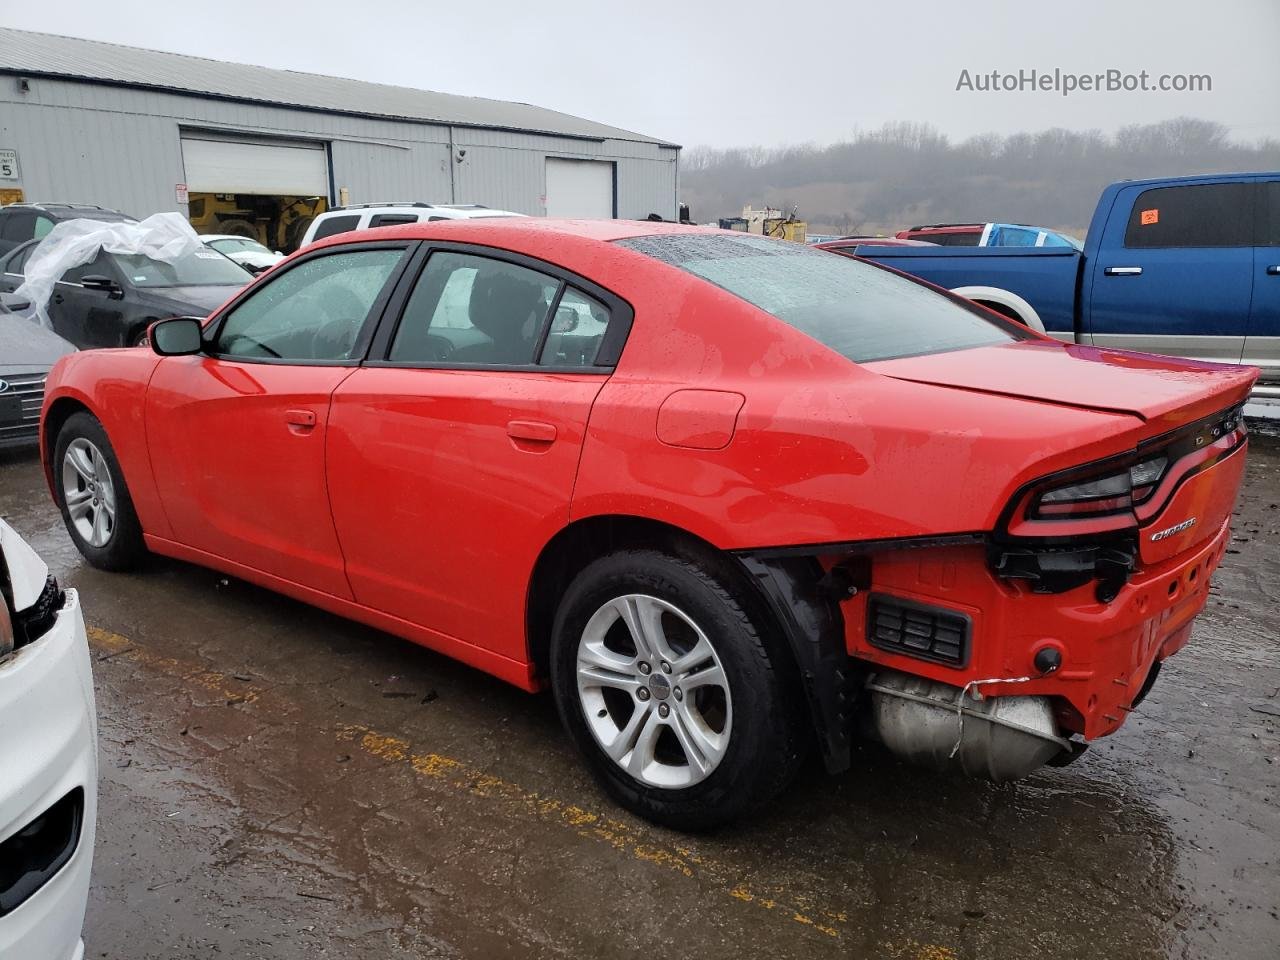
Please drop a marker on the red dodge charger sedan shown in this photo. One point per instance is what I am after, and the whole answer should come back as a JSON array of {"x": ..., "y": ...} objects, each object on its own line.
[{"x": 730, "y": 497}]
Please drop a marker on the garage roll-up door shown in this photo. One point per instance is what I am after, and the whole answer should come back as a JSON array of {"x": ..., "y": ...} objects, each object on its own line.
[
  {"x": 254, "y": 166},
  {"x": 579, "y": 188}
]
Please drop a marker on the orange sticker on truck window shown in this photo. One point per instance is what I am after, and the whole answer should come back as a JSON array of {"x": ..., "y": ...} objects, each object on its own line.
[{"x": 1150, "y": 217}]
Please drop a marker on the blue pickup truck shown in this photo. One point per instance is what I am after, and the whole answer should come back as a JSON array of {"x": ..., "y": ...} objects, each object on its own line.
[{"x": 1188, "y": 266}]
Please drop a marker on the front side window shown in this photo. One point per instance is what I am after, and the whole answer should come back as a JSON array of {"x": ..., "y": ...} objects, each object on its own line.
[
  {"x": 1199, "y": 215},
  {"x": 473, "y": 310},
  {"x": 335, "y": 225},
  {"x": 98, "y": 266},
  {"x": 313, "y": 311},
  {"x": 861, "y": 311}
]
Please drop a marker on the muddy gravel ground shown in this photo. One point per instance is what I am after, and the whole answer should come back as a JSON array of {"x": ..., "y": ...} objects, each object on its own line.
[{"x": 280, "y": 783}]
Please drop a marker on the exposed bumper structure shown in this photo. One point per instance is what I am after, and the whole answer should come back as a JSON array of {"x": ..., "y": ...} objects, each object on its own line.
[{"x": 48, "y": 789}]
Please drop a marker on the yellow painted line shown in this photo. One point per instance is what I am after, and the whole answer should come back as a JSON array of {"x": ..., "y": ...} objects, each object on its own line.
[
  {"x": 626, "y": 838},
  {"x": 115, "y": 645},
  {"x": 634, "y": 839}
]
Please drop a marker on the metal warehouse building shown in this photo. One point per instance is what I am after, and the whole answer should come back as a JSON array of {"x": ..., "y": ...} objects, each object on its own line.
[{"x": 223, "y": 143}]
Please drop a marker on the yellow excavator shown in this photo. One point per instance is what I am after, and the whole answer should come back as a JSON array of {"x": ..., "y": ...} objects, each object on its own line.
[{"x": 275, "y": 222}]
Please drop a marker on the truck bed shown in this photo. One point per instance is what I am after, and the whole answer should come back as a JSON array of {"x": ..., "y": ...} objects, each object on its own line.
[{"x": 1046, "y": 277}]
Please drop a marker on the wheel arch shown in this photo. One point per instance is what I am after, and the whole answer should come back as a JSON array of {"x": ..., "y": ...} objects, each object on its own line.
[
  {"x": 790, "y": 598},
  {"x": 1004, "y": 302},
  {"x": 59, "y": 412}
]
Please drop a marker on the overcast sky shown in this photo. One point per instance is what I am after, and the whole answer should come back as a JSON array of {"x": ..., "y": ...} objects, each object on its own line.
[{"x": 742, "y": 72}]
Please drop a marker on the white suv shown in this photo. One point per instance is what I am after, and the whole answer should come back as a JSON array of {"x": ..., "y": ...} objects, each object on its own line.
[{"x": 364, "y": 216}]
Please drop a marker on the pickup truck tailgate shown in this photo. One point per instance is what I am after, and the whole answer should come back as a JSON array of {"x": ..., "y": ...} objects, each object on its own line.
[{"x": 1150, "y": 387}]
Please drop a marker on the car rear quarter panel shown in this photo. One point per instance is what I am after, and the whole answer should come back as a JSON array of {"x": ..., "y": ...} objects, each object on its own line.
[
  {"x": 112, "y": 385},
  {"x": 822, "y": 450}
]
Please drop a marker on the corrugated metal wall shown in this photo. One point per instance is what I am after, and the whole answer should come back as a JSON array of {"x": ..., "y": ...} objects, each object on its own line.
[{"x": 120, "y": 147}]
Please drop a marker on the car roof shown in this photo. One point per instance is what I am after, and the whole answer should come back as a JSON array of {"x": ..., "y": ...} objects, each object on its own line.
[
  {"x": 206, "y": 237},
  {"x": 72, "y": 211},
  {"x": 496, "y": 231}
]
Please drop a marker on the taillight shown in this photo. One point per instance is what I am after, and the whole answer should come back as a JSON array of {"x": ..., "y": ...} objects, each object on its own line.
[
  {"x": 1100, "y": 496},
  {"x": 1119, "y": 494}
]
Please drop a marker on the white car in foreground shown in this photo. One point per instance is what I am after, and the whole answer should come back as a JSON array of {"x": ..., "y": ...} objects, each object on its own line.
[{"x": 48, "y": 760}]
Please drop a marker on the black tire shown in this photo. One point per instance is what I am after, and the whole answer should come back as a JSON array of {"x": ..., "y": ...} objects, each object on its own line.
[
  {"x": 766, "y": 742},
  {"x": 238, "y": 228},
  {"x": 138, "y": 337},
  {"x": 124, "y": 547}
]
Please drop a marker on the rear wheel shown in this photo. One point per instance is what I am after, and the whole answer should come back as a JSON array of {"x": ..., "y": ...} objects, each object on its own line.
[
  {"x": 668, "y": 689},
  {"x": 92, "y": 495}
]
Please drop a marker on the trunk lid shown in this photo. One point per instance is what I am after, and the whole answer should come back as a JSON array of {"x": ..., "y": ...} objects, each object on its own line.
[{"x": 1166, "y": 391}]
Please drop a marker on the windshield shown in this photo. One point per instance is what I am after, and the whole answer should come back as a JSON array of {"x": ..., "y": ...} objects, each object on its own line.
[
  {"x": 859, "y": 310},
  {"x": 237, "y": 245},
  {"x": 201, "y": 268}
]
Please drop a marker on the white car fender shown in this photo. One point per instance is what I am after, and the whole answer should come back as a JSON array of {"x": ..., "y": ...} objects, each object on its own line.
[{"x": 1010, "y": 301}]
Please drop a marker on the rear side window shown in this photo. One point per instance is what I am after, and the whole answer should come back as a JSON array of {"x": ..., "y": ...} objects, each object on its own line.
[
  {"x": 857, "y": 309},
  {"x": 17, "y": 227},
  {"x": 43, "y": 226},
  {"x": 577, "y": 331},
  {"x": 1269, "y": 228},
  {"x": 1199, "y": 215},
  {"x": 392, "y": 219},
  {"x": 467, "y": 310},
  {"x": 336, "y": 225}
]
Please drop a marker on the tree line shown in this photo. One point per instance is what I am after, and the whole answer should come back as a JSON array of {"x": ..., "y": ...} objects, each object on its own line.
[{"x": 904, "y": 174}]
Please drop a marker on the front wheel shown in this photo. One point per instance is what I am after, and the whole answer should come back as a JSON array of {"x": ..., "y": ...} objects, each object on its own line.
[
  {"x": 671, "y": 692},
  {"x": 92, "y": 495}
]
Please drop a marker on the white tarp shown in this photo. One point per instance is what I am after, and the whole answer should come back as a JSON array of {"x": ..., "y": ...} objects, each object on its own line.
[{"x": 162, "y": 236}]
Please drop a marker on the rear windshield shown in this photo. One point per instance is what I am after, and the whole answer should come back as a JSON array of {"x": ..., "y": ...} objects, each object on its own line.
[
  {"x": 201, "y": 268},
  {"x": 859, "y": 310}
]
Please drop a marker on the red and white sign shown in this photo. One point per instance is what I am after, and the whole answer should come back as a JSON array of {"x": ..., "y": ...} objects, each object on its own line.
[{"x": 180, "y": 192}]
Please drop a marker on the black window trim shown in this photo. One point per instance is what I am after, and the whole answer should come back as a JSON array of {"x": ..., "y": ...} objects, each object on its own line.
[
  {"x": 213, "y": 329},
  {"x": 621, "y": 315}
]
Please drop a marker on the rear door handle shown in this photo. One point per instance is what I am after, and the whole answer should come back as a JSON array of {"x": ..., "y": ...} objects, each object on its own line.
[
  {"x": 57, "y": 298},
  {"x": 1123, "y": 271},
  {"x": 1273, "y": 270},
  {"x": 300, "y": 421},
  {"x": 532, "y": 431}
]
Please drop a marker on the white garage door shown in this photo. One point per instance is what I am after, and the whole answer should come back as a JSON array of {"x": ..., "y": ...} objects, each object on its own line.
[
  {"x": 579, "y": 188},
  {"x": 248, "y": 166}
]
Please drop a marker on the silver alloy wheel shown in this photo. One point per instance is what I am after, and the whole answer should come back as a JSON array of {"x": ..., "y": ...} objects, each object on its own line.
[
  {"x": 89, "y": 492},
  {"x": 653, "y": 691}
]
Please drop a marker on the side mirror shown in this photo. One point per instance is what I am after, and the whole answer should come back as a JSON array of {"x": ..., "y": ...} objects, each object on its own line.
[
  {"x": 177, "y": 337},
  {"x": 96, "y": 281}
]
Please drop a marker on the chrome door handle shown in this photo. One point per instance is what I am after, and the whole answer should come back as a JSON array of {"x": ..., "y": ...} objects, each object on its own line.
[
  {"x": 1273, "y": 270},
  {"x": 1123, "y": 271}
]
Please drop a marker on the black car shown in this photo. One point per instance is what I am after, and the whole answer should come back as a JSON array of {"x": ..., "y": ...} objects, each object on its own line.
[
  {"x": 20, "y": 222},
  {"x": 111, "y": 301}
]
